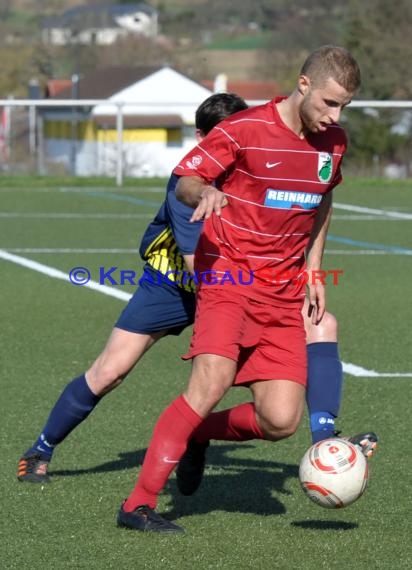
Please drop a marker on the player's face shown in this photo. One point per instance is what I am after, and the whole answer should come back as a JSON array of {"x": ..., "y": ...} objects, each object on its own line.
[{"x": 322, "y": 106}]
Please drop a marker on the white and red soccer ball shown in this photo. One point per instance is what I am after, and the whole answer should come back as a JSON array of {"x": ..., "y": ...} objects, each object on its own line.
[{"x": 333, "y": 473}]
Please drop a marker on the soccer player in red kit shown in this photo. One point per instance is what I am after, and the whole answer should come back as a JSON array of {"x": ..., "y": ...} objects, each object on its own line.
[{"x": 277, "y": 165}]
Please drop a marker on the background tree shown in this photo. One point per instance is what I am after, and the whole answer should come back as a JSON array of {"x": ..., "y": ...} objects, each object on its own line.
[
  {"x": 5, "y": 6},
  {"x": 377, "y": 33}
]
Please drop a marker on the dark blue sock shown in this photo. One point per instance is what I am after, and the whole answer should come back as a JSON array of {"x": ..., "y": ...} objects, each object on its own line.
[
  {"x": 324, "y": 391},
  {"x": 72, "y": 407}
]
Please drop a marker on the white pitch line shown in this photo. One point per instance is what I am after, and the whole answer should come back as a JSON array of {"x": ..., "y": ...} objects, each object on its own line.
[
  {"x": 360, "y": 372},
  {"x": 365, "y": 218},
  {"x": 349, "y": 368},
  {"x": 72, "y": 216},
  {"x": 120, "y": 216},
  {"x": 84, "y": 189},
  {"x": 366, "y": 252},
  {"x": 124, "y": 190},
  {"x": 57, "y": 274},
  {"x": 364, "y": 210},
  {"x": 69, "y": 250},
  {"x": 89, "y": 250}
]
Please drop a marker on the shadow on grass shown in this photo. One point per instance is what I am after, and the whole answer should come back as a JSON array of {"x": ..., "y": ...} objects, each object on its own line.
[
  {"x": 325, "y": 525},
  {"x": 231, "y": 484},
  {"x": 127, "y": 460},
  {"x": 235, "y": 484}
]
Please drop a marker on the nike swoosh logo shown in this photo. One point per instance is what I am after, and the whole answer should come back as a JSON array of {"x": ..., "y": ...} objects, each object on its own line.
[
  {"x": 167, "y": 460},
  {"x": 272, "y": 164}
]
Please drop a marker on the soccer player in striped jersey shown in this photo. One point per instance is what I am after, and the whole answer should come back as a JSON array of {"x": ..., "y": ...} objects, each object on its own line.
[
  {"x": 267, "y": 220},
  {"x": 163, "y": 306}
]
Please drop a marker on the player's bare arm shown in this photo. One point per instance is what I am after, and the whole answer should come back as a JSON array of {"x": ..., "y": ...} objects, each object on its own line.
[
  {"x": 316, "y": 289},
  {"x": 204, "y": 198},
  {"x": 190, "y": 262}
]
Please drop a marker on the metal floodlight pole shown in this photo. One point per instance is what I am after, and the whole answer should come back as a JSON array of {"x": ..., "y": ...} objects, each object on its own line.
[
  {"x": 73, "y": 147},
  {"x": 41, "y": 164},
  {"x": 119, "y": 129},
  {"x": 32, "y": 130}
]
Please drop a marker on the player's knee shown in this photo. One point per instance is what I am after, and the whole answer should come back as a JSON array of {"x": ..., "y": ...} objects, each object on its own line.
[
  {"x": 215, "y": 393},
  {"x": 211, "y": 389},
  {"x": 208, "y": 384},
  {"x": 279, "y": 425},
  {"x": 276, "y": 431},
  {"x": 104, "y": 377},
  {"x": 203, "y": 398},
  {"x": 325, "y": 331}
]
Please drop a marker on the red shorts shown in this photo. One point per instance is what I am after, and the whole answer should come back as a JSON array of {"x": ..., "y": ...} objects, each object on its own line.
[{"x": 267, "y": 342}]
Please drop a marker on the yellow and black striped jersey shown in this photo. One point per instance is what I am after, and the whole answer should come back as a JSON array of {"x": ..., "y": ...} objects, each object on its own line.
[{"x": 169, "y": 236}]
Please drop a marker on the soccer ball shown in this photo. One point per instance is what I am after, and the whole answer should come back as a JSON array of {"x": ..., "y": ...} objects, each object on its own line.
[{"x": 333, "y": 473}]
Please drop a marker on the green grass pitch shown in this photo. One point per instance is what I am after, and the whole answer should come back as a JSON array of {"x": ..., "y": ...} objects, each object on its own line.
[{"x": 250, "y": 511}]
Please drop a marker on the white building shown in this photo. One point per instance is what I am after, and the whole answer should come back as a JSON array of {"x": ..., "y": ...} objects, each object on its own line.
[
  {"x": 100, "y": 25},
  {"x": 158, "y": 122}
]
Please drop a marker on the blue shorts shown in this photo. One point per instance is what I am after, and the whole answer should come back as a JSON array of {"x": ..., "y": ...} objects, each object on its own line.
[{"x": 156, "y": 308}]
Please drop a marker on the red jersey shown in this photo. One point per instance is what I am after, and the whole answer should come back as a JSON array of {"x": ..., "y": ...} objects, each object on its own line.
[{"x": 274, "y": 182}]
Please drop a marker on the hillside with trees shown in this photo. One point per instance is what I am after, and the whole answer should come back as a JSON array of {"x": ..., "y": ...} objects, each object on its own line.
[
  {"x": 281, "y": 32},
  {"x": 255, "y": 39}
]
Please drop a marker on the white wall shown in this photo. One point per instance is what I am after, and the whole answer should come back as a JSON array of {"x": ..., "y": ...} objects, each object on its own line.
[{"x": 100, "y": 159}]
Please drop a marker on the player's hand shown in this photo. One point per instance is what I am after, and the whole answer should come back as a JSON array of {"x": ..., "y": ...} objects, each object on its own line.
[
  {"x": 212, "y": 200},
  {"x": 317, "y": 302}
]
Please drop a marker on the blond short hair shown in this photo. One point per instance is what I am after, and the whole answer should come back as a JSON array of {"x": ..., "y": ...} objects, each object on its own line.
[{"x": 332, "y": 62}]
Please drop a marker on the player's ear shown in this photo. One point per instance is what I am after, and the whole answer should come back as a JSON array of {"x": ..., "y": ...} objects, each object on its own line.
[
  {"x": 199, "y": 135},
  {"x": 303, "y": 84}
]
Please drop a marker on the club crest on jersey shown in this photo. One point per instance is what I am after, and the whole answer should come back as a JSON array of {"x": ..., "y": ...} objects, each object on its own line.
[
  {"x": 195, "y": 162},
  {"x": 325, "y": 166},
  {"x": 289, "y": 200}
]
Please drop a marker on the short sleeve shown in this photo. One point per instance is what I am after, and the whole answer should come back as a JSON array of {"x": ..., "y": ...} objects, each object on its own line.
[
  {"x": 213, "y": 156},
  {"x": 186, "y": 233}
]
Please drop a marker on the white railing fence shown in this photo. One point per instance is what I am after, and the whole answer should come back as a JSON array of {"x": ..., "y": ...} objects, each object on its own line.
[{"x": 33, "y": 129}]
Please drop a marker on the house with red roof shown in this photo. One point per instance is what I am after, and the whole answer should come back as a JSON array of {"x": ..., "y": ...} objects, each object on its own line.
[{"x": 158, "y": 111}]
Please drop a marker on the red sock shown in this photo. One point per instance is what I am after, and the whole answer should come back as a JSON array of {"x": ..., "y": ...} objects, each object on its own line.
[
  {"x": 171, "y": 433},
  {"x": 235, "y": 424}
]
